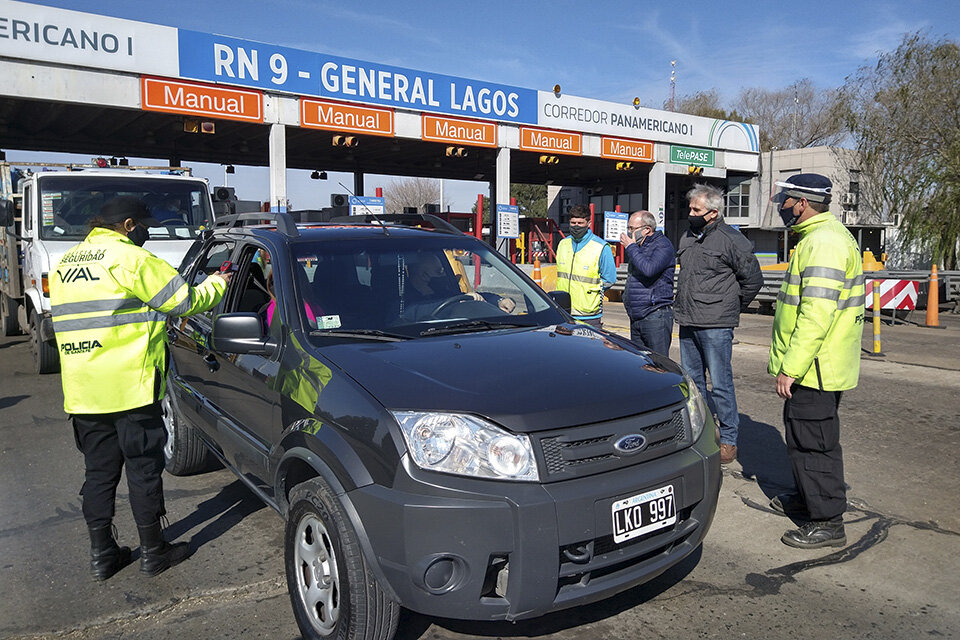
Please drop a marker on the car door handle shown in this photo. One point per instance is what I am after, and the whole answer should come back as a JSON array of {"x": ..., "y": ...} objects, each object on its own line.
[{"x": 212, "y": 363}]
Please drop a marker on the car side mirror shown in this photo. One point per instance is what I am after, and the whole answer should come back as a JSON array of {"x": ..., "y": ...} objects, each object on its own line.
[
  {"x": 241, "y": 333},
  {"x": 562, "y": 298},
  {"x": 7, "y": 212}
]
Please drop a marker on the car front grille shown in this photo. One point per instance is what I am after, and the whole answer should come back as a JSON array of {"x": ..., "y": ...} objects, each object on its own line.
[
  {"x": 588, "y": 449},
  {"x": 588, "y": 565}
]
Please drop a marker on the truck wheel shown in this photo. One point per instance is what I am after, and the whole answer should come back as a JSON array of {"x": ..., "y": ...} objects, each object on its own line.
[
  {"x": 45, "y": 356},
  {"x": 185, "y": 453},
  {"x": 333, "y": 592},
  {"x": 8, "y": 316}
]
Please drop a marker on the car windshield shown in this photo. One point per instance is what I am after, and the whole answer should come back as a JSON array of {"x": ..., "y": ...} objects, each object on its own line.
[
  {"x": 68, "y": 203},
  {"x": 413, "y": 287}
]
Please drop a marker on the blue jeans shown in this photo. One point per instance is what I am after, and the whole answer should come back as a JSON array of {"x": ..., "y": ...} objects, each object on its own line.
[
  {"x": 653, "y": 331},
  {"x": 703, "y": 350}
]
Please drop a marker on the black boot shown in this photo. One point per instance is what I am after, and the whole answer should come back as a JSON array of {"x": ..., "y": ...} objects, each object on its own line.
[
  {"x": 816, "y": 534},
  {"x": 106, "y": 556},
  {"x": 156, "y": 554}
]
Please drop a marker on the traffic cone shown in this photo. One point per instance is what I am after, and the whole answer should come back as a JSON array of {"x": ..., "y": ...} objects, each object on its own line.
[
  {"x": 933, "y": 299},
  {"x": 536, "y": 273}
]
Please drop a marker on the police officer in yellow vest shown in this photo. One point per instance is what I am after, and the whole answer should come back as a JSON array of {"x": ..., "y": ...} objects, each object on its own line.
[
  {"x": 585, "y": 268},
  {"x": 815, "y": 356},
  {"x": 110, "y": 299}
]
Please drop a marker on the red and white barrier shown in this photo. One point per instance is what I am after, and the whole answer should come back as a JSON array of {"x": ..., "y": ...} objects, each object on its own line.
[{"x": 894, "y": 294}]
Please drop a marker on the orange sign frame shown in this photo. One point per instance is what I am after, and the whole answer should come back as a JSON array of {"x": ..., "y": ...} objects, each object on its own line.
[
  {"x": 196, "y": 99},
  {"x": 345, "y": 117},
  {"x": 626, "y": 149},
  {"x": 529, "y": 139},
  {"x": 475, "y": 133}
]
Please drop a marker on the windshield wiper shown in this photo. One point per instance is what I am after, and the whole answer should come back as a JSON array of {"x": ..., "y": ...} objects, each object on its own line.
[
  {"x": 366, "y": 334},
  {"x": 473, "y": 325}
]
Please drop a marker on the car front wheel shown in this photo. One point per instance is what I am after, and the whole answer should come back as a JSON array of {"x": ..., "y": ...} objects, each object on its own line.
[{"x": 333, "y": 593}]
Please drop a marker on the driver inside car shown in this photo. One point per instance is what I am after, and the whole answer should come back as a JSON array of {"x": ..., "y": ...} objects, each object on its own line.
[{"x": 429, "y": 281}]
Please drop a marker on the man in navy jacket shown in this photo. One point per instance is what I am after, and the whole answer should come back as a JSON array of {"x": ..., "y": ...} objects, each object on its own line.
[{"x": 648, "y": 298}]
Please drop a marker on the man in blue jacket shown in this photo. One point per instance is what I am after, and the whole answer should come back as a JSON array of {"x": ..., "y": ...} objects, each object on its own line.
[{"x": 649, "y": 294}]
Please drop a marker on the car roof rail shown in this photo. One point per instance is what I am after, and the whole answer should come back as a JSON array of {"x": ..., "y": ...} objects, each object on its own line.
[
  {"x": 404, "y": 220},
  {"x": 285, "y": 224}
]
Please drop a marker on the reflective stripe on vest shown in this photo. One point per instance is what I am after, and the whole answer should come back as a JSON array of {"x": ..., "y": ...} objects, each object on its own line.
[
  {"x": 586, "y": 293},
  {"x": 821, "y": 347},
  {"x": 110, "y": 324}
]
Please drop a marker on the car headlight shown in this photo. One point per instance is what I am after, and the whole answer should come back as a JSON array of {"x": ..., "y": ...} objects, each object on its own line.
[
  {"x": 466, "y": 445},
  {"x": 696, "y": 405}
]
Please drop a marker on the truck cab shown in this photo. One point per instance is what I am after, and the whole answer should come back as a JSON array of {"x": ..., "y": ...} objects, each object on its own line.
[{"x": 52, "y": 213}]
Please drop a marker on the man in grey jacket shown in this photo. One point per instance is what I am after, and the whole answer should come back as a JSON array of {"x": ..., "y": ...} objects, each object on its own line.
[{"x": 719, "y": 275}]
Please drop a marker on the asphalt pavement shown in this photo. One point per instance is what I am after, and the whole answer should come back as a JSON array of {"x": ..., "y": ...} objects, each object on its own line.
[{"x": 898, "y": 576}]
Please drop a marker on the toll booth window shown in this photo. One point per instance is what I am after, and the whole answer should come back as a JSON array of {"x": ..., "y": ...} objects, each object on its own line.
[{"x": 737, "y": 199}]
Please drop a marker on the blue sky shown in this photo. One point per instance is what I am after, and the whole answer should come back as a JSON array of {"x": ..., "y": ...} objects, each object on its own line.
[{"x": 610, "y": 50}]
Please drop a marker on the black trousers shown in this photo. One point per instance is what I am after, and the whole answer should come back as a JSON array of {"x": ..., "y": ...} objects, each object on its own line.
[
  {"x": 813, "y": 444},
  {"x": 109, "y": 441}
]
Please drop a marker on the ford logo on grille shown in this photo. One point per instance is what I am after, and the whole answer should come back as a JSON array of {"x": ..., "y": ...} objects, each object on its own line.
[{"x": 633, "y": 443}]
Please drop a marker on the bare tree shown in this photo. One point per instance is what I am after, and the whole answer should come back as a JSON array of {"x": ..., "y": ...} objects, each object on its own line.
[
  {"x": 800, "y": 115},
  {"x": 905, "y": 120},
  {"x": 411, "y": 192},
  {"x": 704, "y": 103}
]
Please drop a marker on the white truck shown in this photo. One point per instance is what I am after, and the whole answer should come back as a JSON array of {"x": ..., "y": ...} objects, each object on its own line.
[{"x": 45, "y": 208}]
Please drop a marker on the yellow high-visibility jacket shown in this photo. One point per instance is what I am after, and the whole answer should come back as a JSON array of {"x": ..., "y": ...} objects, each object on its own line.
[
  {"x": 819, "y": 319},
  {"x": 110, "y": 300},
  {"x": 579, "y": 275}
]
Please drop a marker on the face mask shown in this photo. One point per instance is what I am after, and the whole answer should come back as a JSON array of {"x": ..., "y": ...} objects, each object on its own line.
[
  {"x": 697, "y": 223},
  {"x": 788, "y": 216},
  {"x": 638, "y": 236},
  {"x": 578, "y": 232},
  {"x": 139, "y": 235}
]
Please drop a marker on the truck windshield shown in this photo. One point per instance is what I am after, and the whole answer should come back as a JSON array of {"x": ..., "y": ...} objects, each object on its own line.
[{"x": 69, "y": 202}]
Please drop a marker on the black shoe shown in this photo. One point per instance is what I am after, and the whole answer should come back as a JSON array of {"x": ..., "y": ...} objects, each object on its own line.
[
  {"x": 156, "y": 554},
  {"x": 789, "y": 504},
  {"x": 106, "y": 556},
  {"x": 816, "y": 534}
]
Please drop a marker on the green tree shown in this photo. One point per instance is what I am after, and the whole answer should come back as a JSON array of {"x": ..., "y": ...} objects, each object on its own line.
[
  {"x": 904, "y": 113},
  {"x": 531, "y": 201}
]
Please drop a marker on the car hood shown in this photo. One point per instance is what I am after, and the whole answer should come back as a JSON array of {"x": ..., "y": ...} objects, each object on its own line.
[{"x": 526, "y": 380}]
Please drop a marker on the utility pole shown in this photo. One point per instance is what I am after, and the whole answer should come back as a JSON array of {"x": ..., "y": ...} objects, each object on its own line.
[
  {"x": 796, "y": 118},
  {"x": 673, "y": 84}
]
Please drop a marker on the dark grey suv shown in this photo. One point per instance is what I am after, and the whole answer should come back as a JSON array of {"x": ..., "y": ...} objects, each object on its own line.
[{"x": 436, "y": 431}]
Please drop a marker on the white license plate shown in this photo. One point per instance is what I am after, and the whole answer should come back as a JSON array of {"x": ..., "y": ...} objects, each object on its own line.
[{"x": 643, "y": 513}]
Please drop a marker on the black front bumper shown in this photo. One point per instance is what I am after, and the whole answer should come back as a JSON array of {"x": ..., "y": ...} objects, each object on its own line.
[{"x": 442, "y": 542}]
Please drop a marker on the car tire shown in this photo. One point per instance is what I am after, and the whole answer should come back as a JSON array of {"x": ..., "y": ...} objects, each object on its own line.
[
  {"x": 8, "y": 316},
  {"x": 333, "y": 592},
  {"x": 45, "y": 356},
  {"x": 184, "y": 452}
]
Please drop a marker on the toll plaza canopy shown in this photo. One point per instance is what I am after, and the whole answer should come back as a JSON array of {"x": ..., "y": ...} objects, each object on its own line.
[{"x": 85, "y": 83}]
